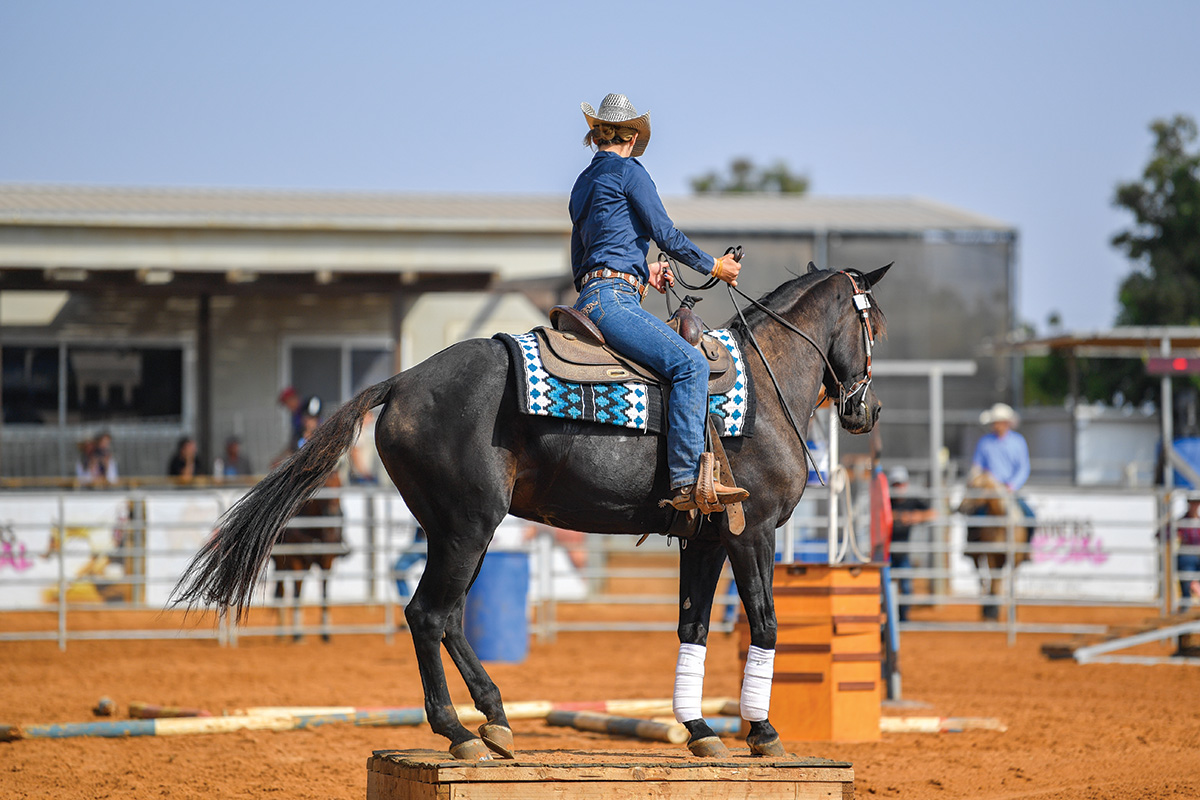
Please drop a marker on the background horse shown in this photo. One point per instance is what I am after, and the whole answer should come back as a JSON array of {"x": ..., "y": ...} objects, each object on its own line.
[
  {"x": 994, "y": 500},
  {"x": 323, "y": 539},
  {"x": 463, "y": 456}
]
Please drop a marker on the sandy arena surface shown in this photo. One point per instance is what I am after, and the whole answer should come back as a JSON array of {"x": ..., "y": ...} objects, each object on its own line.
[{"x": 1074, "y": 732}]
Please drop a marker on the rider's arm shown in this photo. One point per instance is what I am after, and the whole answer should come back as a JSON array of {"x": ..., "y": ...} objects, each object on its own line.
[
  {"x": 980, "y": 457},
  {"x": 577, "y": 253},
  {"x": 1022, "y": 473},
  {"x": 643, "y": 197}
]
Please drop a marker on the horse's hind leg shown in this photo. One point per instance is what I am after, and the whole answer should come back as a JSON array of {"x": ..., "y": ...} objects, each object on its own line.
[
  {"x": 280, "y": 608},
  {"x": 993, "y": 584},
  {"x": 326, "y": 621},
  {"x": 495, "y": 732},
  {"x": 456, "y": 550},
  {"x": 700, "y": 566},
  {"x": 297, "y": 610}
]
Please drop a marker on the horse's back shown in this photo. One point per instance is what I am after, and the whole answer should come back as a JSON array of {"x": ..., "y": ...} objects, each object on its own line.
[{"x": 444, "y": 395}]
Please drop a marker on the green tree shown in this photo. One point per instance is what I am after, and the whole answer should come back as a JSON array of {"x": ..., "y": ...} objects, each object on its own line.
[
  {"x": 1164, "y": 241},
  {"x": 744, "y": 176},
  {"x": 1164, "y": 287}
]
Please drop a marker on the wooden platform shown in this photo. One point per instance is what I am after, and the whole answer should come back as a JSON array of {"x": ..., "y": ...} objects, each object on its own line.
[{"x": 605, "y": 775}]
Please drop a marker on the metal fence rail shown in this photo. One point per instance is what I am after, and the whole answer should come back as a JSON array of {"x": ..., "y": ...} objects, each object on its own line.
[{"x": 65, "y": 554}]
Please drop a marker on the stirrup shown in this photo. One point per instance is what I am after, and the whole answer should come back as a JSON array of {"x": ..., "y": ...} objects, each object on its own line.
[{"x": 707, "y": 495}]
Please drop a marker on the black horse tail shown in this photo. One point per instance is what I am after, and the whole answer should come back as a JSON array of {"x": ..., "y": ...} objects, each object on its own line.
[{"x": 229, "y": 564}]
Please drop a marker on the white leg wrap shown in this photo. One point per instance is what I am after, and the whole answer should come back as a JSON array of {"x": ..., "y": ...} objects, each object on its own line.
[
  {"x": 689, "y": 681},
  {"x": 756, "y": 685}
]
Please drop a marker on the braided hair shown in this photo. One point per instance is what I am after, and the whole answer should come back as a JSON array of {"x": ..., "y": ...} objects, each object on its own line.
[{"x": 603, "y": 134}]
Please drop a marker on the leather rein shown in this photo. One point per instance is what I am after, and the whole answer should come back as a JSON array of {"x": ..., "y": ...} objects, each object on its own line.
[
  {"x": 845, "y": 394},
  {"x": 862, "y": 304}
]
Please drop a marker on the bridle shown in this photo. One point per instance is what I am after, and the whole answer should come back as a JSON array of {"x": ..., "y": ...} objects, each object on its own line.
[
  {"x": 846, "y": 394},
  {"x": 862, "y": 304}
]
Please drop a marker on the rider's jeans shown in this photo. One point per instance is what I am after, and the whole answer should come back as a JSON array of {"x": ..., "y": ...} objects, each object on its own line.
[{"x": 615, "y": 308}]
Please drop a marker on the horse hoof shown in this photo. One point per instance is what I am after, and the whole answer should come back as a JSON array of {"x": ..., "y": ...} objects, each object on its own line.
[
  {"x": 498, "y": 737},
  {"x": 708, "y": 747},
  {"x": 471, "y": 750},
  {"x": 766, "y": 747}
]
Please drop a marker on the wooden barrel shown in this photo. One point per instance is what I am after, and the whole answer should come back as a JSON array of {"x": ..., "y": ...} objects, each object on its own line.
[{"x": 827, "y": 684}]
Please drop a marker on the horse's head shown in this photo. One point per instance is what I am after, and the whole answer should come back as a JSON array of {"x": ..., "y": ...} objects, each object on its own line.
[
  {"x": 859, "y": 322},
  {"x": 989, "y": 499}
]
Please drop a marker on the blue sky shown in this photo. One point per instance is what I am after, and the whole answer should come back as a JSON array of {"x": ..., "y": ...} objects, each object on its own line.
[{"x": 1029, "y": 112}]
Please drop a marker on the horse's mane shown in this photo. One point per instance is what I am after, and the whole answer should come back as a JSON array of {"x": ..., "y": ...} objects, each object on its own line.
[{"x": 790, "y": 294}]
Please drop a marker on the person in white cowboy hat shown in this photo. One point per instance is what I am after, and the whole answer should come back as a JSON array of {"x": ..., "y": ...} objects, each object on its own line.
[
  {"x": 1003, "y": 451},
  {"x": 615, "y": 212}
]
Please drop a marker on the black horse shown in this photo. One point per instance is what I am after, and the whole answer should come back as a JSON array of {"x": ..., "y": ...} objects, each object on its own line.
[{"x": 462, "y": 455}]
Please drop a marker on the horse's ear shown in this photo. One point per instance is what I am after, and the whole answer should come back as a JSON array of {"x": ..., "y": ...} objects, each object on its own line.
[
  {"x": 812, "y": 268},
  {"x": 876, "y": 276}
]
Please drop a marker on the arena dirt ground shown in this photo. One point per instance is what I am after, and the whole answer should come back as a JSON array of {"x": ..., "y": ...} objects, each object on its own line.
[{"x": 1074, "y": 732}]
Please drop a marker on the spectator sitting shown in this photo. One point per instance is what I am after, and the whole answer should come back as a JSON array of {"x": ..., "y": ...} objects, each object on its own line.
[
  {"x": 233, "y": 464},
  {"x": 97, "y": 464},
  {"x": 289, "y": 398},
  {"x": 308, "y": 425},
  {"x": 185, "y": 464}
]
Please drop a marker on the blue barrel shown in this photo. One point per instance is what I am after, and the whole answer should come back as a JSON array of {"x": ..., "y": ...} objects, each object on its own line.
[
  {"x": 496, "y": 620},
  {"x": 1188, "y": 449}
]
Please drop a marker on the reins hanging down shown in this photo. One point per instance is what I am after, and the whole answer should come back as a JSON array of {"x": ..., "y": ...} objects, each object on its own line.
[{"x": 846, "y": 394}]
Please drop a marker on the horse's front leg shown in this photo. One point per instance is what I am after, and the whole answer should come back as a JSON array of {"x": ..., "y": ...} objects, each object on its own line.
[
  {"x": 752, "y": 556},
  {"x": 700, "y": 564}
]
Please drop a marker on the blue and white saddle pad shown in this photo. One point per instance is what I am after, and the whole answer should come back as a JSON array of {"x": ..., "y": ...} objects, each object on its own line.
[{"x": 628, "y": 404}]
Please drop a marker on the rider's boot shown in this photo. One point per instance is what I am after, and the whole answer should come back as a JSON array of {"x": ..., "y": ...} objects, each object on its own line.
[{"x": 708, "y": 494}]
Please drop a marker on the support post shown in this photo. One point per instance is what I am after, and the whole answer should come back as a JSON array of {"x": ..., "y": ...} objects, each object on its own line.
[
  {"x": 402, "y": 305},
  {"x": 204, "y": 424},
  {"x": 1166, "y": 410},
  {"x": 941, "y": 556},
  {"x": 62, "y": 572}
]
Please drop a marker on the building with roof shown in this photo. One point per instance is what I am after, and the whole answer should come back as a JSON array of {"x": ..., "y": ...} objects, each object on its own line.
[{"x": 158, "y": 312}]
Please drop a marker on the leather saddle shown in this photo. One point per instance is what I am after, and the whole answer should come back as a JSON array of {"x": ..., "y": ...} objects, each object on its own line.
[{"x": 574, "y": 350}]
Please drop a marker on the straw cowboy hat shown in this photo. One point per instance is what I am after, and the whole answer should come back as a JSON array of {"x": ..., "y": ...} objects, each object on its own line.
[
  {"x": 615, "y": 109},
  {"x": 1000, "y": 412}
]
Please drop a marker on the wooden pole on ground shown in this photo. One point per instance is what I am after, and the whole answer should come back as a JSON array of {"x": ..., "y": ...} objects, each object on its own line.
[{"x": 674, "y": 733}]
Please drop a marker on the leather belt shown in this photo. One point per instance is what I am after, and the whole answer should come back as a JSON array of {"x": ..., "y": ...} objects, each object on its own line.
[{"x": 605, "y": 272}]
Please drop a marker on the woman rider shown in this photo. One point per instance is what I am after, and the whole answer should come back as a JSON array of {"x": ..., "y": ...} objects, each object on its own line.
[{"x": 615, "y": 211}]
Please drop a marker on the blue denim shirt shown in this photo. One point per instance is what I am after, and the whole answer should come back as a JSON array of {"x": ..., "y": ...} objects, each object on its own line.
[
  {"x": 1007, "y": 458},
  {"x": 615, "y": 211}
]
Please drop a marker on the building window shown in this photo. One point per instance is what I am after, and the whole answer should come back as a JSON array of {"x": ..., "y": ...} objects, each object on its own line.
[
  {"x": 88, "y": 384},
  {"x": 337, "y": 370}
]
